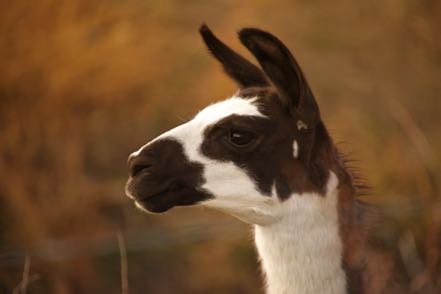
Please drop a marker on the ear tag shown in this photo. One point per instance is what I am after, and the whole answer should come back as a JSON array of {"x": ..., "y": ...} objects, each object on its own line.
[{"x": 301, "y": 125}]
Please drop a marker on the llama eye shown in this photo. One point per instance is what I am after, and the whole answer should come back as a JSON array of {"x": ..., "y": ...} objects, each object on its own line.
[{"x": 240, "y": 138}]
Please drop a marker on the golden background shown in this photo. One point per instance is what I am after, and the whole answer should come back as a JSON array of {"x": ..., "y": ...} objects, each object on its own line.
[{"x": 85, "y": 83}]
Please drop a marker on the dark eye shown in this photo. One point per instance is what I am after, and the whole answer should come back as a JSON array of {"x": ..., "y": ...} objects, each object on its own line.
[{"x": 241, "y": 138}]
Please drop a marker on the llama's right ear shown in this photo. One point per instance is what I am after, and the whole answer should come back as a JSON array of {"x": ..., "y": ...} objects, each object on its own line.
[
  {"x": 243, "y": 72},
  {"x": 283, "y": 71}
]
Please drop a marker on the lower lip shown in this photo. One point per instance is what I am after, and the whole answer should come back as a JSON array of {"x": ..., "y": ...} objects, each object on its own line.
[
  {"x": 145, "y": 206},
  {"x": 140, "y": 206},
  {"x": 129, "y": 195}
]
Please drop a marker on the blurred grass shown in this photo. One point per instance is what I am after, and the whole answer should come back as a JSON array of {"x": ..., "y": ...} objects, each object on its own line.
[{"x": 85, "y": 83}]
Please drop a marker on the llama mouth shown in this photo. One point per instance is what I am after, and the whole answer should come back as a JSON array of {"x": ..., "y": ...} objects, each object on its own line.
[
  {"x": 141, "y": 196},
  {"x": 152, "y": 197},
  {"x": 141, "y": 189},
  {"x": 159, "y": 202},
  {"x": 171, "y": 197}
]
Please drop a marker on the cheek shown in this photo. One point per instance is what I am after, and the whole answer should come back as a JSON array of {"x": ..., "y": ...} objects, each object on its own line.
[{"x": 225, "y": 179}]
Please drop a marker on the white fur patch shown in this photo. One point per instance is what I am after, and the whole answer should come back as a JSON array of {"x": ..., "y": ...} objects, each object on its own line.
[
  {"x": 295, "y": 149},
  {"x": 301, "y": 252},
  {"x": 234, "y": 105}
]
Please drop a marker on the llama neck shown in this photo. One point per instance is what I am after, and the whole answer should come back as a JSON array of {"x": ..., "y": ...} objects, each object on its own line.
[{"x": 302, "y": 253}]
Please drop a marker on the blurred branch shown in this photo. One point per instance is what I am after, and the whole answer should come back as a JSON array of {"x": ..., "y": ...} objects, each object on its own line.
[
  {"x": 31, "y": 279},
  {"x": 124, "y": 266},
  {"x": 23, "y": 285},
  {"x": 26, "y": 269}
]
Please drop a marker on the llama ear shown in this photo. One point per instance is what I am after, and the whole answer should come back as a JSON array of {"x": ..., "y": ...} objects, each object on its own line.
[
  {"x": 283, "y": 70},
  {"x": 243, "y": 72}
]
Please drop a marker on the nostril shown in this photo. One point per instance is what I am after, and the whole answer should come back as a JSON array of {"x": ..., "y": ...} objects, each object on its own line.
[{"x": 137, "y": 168}]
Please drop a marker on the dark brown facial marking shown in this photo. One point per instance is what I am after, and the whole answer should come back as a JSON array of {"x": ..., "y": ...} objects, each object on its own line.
[
  {"x": 162, "y": 177},
  {"x": 268, "y": 158}
]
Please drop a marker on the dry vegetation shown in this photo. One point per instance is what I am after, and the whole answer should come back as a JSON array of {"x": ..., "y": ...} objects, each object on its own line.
[{"x": 84, "y": 83}]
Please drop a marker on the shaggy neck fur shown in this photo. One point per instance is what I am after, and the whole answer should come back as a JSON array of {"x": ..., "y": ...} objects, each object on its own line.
[{"x": 302, "y": 253}]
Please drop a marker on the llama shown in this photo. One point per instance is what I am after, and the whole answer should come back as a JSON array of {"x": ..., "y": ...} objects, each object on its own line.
[{"x": 264, "y": 156}]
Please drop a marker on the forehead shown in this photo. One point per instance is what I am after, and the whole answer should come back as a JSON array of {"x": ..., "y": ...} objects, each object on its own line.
[{"x": 232, "y": 106}]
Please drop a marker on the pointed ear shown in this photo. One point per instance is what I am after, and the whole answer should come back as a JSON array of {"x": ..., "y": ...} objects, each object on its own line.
[
  {"x": 283, "y": 70},
  {"x": 243, "y": 72}
]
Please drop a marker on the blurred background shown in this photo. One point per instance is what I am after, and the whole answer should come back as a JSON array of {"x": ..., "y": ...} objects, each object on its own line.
[{"x": 85, "y": 83}]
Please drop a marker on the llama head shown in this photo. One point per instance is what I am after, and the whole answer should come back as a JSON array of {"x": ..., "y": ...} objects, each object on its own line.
[{"x": 245, "y": 155}]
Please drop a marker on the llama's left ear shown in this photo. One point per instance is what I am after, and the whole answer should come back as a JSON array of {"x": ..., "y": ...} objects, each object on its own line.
[
  {"x": 283, "y": 70},
  {"x": 243, "y": 72}
]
